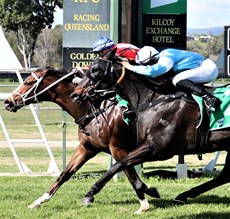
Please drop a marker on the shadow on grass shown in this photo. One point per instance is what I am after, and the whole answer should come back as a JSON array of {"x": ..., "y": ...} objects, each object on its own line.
[
  {"x": 167, "y": 174},
  {"x": 204, "y": 199},
  {"x": 166, "y": 203},
  {"x": 210, "y": 199},
  {"x": 206, "y": 215},
  {"x": 93, "y": 174}
]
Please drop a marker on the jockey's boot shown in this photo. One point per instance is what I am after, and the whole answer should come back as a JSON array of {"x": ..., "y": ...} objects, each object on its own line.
[{"x": 212, "y": 102}]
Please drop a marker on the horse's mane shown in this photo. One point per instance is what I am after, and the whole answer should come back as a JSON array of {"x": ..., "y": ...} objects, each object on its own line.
[{"x": 51, "y": 71}]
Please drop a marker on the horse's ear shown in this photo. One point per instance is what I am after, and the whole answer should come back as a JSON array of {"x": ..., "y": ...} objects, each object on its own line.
[{"x": 112, "y": 53}]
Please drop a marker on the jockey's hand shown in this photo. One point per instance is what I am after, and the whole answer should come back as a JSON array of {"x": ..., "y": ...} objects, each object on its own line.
[
  {"x": 76, "y": 80},
  {"x": 79, "y": 69},
  {"x": 124, "y": 59},
  {"x": 127, "y": 65}
]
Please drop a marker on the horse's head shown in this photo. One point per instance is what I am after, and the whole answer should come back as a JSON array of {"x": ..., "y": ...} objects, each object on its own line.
[
  {"x": 33, "y": 89},
  {"x": 100, "y": 77}
]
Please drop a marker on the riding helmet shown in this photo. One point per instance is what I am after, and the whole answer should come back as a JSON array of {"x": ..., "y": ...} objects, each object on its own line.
[
  {"x": 103, "y": 43},
  {"x": 147, "y": 54}
]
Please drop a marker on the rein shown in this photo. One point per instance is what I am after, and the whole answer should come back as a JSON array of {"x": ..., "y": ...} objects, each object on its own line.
[
  {"x": 83, "y": 121},
  {"x": 35, "y": 86},
  {"x": 93, "y": 87}
]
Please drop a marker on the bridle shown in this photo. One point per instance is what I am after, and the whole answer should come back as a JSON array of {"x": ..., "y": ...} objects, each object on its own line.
[
  {"x": 35, "y": 86},
  {"x": 92, "y": 90}
]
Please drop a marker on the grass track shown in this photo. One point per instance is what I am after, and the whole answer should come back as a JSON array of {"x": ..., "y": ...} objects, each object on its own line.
[{"x": 116, "y": 200}]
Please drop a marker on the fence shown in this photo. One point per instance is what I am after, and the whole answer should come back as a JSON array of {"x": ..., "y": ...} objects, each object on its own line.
[{"x": 53, "y": 168}]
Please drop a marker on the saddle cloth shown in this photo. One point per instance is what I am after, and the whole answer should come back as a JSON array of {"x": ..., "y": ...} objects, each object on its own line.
[
  {"x": 125, "y": 106},
  {"x": 221, "y": 118}
]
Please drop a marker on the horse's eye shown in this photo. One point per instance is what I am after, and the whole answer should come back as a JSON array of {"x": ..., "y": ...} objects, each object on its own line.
[
  {"x": 97, "y": 75},
  {"x": 95, "y": 72},
  {"x": 28, "y": 83}
]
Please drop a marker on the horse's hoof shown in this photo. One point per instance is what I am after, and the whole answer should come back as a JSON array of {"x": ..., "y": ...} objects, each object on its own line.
[
  {"x": 180, "y": 199},
  {"x": 33, "y": 205},
  {"x": 153, "y": 192},
  {"x": 144, "y": 206},
  {"x": 87, "y": 200}
]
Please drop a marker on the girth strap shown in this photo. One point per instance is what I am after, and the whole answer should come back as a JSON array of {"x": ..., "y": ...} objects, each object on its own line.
[
  {"x": 202, "y": 135},
  {"x": 167, "y": 98}
]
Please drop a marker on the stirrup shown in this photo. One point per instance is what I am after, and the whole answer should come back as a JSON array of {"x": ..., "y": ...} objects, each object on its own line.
[{"x": 212, "y": 103}]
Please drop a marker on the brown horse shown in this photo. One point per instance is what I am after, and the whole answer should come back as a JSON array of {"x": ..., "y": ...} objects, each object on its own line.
[
  {"x": 100, "y": 130},
  {"x": 167, "y": 123}
]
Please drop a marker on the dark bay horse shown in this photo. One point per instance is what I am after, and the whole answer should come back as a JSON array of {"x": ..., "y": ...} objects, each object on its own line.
[
  {"x": 167, "y": 123},
  {"x": 106, "y": 131}
]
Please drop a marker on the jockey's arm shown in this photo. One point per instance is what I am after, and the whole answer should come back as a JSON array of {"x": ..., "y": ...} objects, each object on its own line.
[{"x": 163, "y": 65}]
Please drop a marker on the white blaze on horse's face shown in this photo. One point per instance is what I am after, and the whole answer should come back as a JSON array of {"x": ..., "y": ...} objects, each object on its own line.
[
  {"x": 28, "y": 87},
  {"x": 21, "y": 94}
]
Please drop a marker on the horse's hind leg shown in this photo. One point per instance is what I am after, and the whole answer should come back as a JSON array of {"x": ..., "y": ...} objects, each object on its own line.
[
  {"x": 138, "y": 156},
  {"x": 222, "y": 178},
  {"x": 140, "y": 187},
  {"x": 80, "y": 157}
]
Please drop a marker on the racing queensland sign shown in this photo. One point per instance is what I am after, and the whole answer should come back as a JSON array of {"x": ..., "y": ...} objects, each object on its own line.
[
  {"x": 165, "y": 23},
  {"x": 84, "y": 21}
]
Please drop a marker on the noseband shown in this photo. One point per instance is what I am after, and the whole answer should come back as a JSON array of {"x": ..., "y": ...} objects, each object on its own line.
[{"x": 34, "y": 88}]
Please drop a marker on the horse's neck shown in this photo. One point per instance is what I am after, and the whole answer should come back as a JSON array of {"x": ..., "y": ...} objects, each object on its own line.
[
  {"x": 137, "y": 92},
  {"x": 63, "y": 99},
  {"x": 77, "y": 111}
]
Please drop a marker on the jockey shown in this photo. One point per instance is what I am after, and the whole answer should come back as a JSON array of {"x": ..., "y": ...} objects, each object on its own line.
[
  {"x": 104, "y": 44},
  {"x": 192, "y": 70},
  {"x": 124, "y": 50}
]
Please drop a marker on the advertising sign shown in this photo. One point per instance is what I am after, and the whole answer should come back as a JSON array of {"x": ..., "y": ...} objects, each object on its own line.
[
  {"x": 165, "y": 6},
  {"x": 84, "y": 21},
  {"x": 165, "y": 23}
]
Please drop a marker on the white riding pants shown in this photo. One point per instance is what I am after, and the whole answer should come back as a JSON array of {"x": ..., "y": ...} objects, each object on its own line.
[{"x": 205, "y": 73}]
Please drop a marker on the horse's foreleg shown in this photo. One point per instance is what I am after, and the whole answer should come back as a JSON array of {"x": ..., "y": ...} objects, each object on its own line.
[
  {"x": 221, "y": 179},
  {"x": 80, "y": 157}
]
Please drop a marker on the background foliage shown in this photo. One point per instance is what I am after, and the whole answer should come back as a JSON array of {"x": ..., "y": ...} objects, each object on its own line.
[{"x": 26, "y": 19}]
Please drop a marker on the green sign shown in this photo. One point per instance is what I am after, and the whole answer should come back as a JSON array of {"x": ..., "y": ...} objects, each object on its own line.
[{"x": 165, "y": 6}]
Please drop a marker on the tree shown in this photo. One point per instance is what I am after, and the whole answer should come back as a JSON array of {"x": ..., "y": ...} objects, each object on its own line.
[
  {"x": 26, "y": 19},
  {"x": 210, "y": 49},
  {"x": 48, "y": 49}
]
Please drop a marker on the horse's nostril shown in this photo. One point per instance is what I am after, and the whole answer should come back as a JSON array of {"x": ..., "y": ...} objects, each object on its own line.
[
  {"x": 75, "y": 98},
  {"x": 6, "y": 102},
  {"x": 73, "y": 95},
  {"x": 90, "y": 91}
]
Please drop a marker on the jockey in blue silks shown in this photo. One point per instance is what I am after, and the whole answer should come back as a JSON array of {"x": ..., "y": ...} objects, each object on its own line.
[{"x": 192, "y": 70}]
